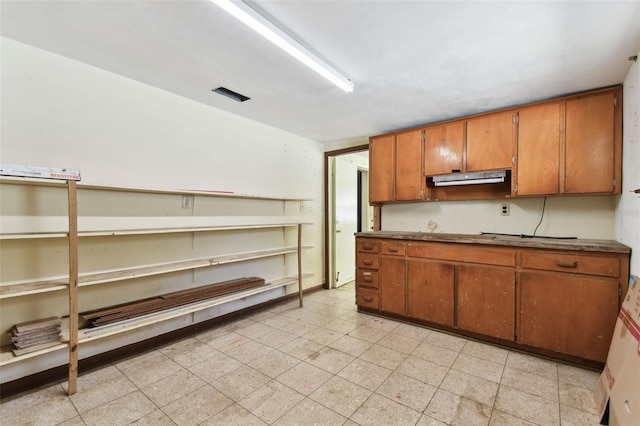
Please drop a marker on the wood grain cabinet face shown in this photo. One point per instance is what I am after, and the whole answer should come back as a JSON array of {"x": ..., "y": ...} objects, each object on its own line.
[
  {"x": 381, "y": 169},
  {"x": 408, "y": 167},
  {"x": 392, "y": 284},
  {"x": 443, "y": 149},
  {"x": 539, "y": 150},
  {"x": 430, "y": 295},
  {"x": 537, "y": 299},
  {"x": 590, "y": 145},
  {"x": 367, "y": 275},
  {"x": 568, "y": 314},
  {"x": 395, "y": 167},
  {"x": 486, "y": 300},
  {"x": 490, "y": 142}
]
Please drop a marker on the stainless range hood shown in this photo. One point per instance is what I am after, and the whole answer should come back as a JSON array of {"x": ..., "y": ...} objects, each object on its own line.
[{"x": 456, "y": 179}]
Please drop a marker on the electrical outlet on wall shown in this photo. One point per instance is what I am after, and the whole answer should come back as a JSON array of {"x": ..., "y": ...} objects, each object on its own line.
[
  {"x": 187, "y": 201},
  {"x": 504, "y": 209}
]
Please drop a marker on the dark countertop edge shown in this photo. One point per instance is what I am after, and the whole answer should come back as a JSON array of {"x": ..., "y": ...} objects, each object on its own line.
[{"x": 577, "y": 244}]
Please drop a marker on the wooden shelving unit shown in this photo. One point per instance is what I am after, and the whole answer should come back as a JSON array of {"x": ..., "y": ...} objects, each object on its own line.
[{"x": 21, "y": 228}]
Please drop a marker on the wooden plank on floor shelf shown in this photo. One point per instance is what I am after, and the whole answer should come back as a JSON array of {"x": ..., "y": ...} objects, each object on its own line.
[
  {"x": 221, "y": 285},
  {"x": 31, "y": 325},
  {"x": 31, "y": 342},
  {"x": 18, "y": 352},
  {"x": 32, "y": 333},
  {"x": 161, "y": 304},
  {"x": 171, "y": 300}
]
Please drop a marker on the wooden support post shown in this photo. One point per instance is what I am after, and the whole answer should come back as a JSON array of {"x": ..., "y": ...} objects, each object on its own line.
[
  {"x": 73, "y": 288},
  {"x": 300, "y": 263}
]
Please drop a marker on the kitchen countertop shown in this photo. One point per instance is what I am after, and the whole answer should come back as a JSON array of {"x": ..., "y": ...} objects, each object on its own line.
[{"x": 577, "y": 244}]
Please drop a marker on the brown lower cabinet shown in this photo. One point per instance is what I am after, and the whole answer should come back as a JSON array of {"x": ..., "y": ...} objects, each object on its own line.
[
  {"x": 559, "y": 300},
  {"x": 392, "y": 293},
  {"x": 568, "y": 314},
  {"x": 486, "y": 300},
  {"x": 430, "y": 291}
]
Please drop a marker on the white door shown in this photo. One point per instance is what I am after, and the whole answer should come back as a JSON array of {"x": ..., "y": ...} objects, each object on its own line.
[{"x": 346, "y": 219}]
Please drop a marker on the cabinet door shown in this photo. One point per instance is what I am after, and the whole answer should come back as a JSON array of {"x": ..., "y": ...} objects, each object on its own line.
[
  {"x": 408, "y": 176},
  {"x": 567, "y": 313},
  {"x": 486, "y": 300},
  {"x": 381, "y": 168},
  {"x": 490, "y": 142},
  {"x": 392, "y": 284},
  {"x": 430, "y": 291},
  {"x": 443, "y": 146},
  {"x": 539, "y": 150},
  {"x": 589, "y": 164}
]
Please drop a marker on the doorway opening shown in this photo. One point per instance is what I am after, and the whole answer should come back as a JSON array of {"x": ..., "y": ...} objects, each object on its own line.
[{"x": 347, "y": 211}]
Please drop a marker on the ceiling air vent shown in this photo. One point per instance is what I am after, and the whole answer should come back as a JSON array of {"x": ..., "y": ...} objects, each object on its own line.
[{"x": 231, "y": 94}]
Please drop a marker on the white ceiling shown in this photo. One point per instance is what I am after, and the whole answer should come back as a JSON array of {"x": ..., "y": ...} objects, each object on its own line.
[{"x": 412, "y": 62}]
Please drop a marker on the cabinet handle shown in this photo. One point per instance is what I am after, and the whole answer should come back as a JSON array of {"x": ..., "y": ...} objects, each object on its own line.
[
  {"x": 367, "y": 298},
  {"x": 367, "y": 246},
  {"x": 367, "y": 277},
  {"x": 368, "y": 262},
  {"x": 567, "y": 264},
  {"x": 393, "y": 249}
]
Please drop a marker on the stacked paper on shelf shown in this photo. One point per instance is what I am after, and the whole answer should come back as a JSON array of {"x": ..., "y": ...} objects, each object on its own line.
[{"x": 35, "y": 335}]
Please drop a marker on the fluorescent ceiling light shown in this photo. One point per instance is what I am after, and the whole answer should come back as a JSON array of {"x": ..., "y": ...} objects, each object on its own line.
[{"x": 244, "y": 13}]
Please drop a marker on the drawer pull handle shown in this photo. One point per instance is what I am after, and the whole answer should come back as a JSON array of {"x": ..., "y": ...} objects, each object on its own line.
[
  {"x": 393, "y": 249},
  {"x": 367, "y": 298},
  {"x": 367, "y": 246},
  {"x": 567, "y": 264},
  {"x": 368, "y": 262},
  {"x": 367, "y": 277}
]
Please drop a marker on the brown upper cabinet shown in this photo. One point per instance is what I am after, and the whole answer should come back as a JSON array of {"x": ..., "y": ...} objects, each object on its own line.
[
  {"x": 572, "y": 146},
  {"x": 408, "y": 172},
  {"x": 395, "y": 167},
  {"x": 564, "y": 146},
  {"x": 539, "y": 136},
  {"x": 381, "y": 168},
  {"x": 443, "y": 148},
  {"x": 490, "y": 142},
  {"x": 590, "y": 145}
]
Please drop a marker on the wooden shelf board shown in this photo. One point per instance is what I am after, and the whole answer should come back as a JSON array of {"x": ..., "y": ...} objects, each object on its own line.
[
  {"x": 179, "y": 230},
  {"x": 7, "y": 357},
  {"x": 23, "y": 289},
  {"x": 33, "y": 235},
  {"x": 146, "y": 231},
  {"x": 90, "y": 334},
  {"x": 199, "y": 192}
]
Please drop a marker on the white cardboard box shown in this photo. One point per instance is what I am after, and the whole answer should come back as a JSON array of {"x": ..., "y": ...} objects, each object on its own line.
[{"x": 619, "y": 385}]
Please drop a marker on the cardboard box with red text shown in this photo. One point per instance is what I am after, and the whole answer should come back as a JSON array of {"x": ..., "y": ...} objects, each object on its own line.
[{"x": 619, "y": 383}]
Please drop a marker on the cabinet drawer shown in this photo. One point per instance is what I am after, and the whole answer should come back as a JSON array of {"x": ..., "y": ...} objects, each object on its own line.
[
  {"x": 367, "y": 278},
  {"x": 367, "y": 297},
  {"x": 367, "y": 261},
  {"x": 574, "y": 263},
  {"x": 393, "y": 248},
  {"x": 464, "y": 253},
  {"x": 367, "y": 246}
]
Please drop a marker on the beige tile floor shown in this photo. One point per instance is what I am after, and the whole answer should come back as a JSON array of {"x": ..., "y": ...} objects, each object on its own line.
[{"x": 324, "y": 364}]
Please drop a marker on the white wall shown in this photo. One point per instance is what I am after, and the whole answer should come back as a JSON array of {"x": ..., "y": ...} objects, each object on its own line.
[
  {"x": 62, "y": 113},
  {"x": 59, "y": 112},
  {"x": 581, "y": 217},
  {"x": 627, "y": 212},
  {"x": 118, "y": 132}
]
